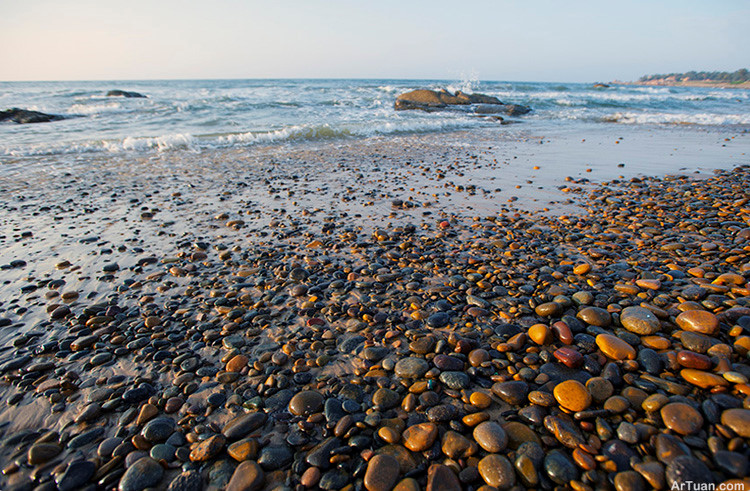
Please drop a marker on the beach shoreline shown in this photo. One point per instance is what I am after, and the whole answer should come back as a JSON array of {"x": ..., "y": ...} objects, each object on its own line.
[
  {"x": 690, "y": 83},
  {"x": 245, "y": 301}
]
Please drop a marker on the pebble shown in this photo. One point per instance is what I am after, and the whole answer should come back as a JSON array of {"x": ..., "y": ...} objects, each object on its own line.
[
  {"x": 639, "y": 320},
  {"x": 490, "y": 436},
  {"x": 589, "y": 351},
  {"x": 420, "y": 437},
  {"x": 699, "y": 321},
  {"x": 305, "y": 403},
  {"x": 738, "y": 420},
  {"x": 208, "y": 448},
  {"x": 614, "y": 347},
  {"x": 560, "y": 468},
  {"x": 248, "y": 476},
  {"x": 595, "y": 316},
  {"x": 497, "y": 471},
  {"x": 243, "y": 425},
  {"x": 572, "y": 395},
  {"x": 442, "y": 478},
  {"x": 686, "y": 468},
  {"x": 411, "y": 368},
  {"x": 681, "y": 418},
  {"x": 382, "y": 473},
  {"x": 42, "y": 452},
  {"x": 514, "y": 392},
  {"x": 144, "y": 473}
]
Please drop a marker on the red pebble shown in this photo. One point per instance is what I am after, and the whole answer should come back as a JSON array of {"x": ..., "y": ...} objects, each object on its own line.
[{"x": 569, "y": 357}]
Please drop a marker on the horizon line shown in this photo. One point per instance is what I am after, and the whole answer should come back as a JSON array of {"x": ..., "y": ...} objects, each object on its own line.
[{"x": 407, "y": 79}]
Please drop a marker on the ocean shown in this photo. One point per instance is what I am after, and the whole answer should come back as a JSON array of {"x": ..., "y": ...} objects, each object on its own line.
[{"x": 204, "y": 114}]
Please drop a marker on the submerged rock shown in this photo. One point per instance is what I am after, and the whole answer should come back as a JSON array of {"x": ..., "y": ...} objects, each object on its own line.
[
  {"x": 24, "y": 116},
  {"x": 124, "y": 93}
]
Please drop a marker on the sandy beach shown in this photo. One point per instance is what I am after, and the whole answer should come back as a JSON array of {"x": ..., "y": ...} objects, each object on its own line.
[{"x": 402, "y": 310}]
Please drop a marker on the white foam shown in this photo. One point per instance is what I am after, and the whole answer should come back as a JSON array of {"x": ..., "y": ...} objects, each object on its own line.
[
  {"x": 91, "y": 109},
  {"x": 678, "y": 118},
  {"x": 159, "y": 143}
]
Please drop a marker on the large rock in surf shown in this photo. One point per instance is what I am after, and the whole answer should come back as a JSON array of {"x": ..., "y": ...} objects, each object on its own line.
[
  {"x": 24, "y": 116},
  {"x": 124, "y": 93},
  {"x": 432, "y": 100}
]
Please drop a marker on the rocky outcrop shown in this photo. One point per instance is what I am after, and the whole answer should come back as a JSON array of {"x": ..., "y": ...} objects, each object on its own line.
[
  {"x": 24, "y": 116},
  {"x": 509, "y": 109},
  {"x": 124, "y": 93},
  {"x": 434, "y": 100}
]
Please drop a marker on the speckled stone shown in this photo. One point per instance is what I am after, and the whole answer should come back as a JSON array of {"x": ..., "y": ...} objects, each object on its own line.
[
  {"x": 497, "y": 471},
  {"x": 681, "y": 418},
  {"x": 639, "y": 320}
]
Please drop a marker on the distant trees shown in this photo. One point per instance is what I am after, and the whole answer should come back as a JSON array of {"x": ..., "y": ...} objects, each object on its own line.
[{"x": 741, "y": 75}]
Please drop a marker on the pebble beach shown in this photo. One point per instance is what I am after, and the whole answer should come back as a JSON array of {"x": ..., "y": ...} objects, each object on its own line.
[{"x": 405, "y": 312}]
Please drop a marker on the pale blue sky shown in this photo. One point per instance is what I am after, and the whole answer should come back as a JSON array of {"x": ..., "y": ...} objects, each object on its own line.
[{"x": 552, "y": 40}]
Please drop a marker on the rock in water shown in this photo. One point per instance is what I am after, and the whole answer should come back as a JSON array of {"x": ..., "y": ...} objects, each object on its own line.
[
  {"x": 24, "y": 116},
  {"x": 431, "y": 99},
  {"x": 124, "y": 93}
]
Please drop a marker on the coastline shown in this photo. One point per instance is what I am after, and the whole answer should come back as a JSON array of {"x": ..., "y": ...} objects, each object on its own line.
[
  {"x": 152, "y": 284},
  {"x": 666, "y": 83}
]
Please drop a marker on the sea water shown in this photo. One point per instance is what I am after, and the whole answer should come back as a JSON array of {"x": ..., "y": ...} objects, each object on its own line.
[{"x": 196, "y": 115}]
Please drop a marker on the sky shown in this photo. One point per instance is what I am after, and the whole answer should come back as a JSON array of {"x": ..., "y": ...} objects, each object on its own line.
[{"x": 531, "y": 40}]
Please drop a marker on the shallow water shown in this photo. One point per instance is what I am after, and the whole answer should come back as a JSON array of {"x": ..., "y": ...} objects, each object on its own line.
[{"x": 200, "y": 114}]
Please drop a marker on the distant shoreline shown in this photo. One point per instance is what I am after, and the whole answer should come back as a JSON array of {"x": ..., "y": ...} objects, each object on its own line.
[{"x": 691, "y": 83}]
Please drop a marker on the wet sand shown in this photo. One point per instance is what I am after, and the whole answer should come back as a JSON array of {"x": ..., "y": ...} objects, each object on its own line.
[{"x": 190, "y": 289}]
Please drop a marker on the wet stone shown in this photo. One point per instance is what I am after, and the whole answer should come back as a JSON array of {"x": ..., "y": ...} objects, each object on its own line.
[
  {"x": 620, "y": 453},
  {"x": 158, "y": 430},
  {"x": 423, "y": 345},
  {"x": 595, "y": 316},
  {"x": 699, "y": 321},
  {"x": 243, "y": 425},
  {"x": 614, "y": 347},
  {"x": 208, "y": 448},
  {"x": 564, "y": 429},
  {"x": 411, "y": 368},
  {"x": 305, "y": 403},
  {"x": 448, "y": 363},
  {"x": 738, "y": 420},
  {"x": 76, "y": 474},
  {"x": 686, "y": 468},
  {"x": 455, "y": 380},
  {"x": 490, "y": 436},
  {"x": 186, "y": 481},
  {"x": 420, "y": 437},
  {"x": 559, "y": 373},
  {"x": 42, "y": 452},
  {"x": 560, "y": 468},
  {"x": 275, "y": 457},
  {"x": 320, "y": 454},
  {"x": 733, "y": 463},
  {"x": 334, "y": 479},
  {"x": 639, "y": 320},
  {"x": 442, "y": 478},
  {"x": 144, "y": 473},
  {"x": 629, "y": 481},
  {"x": 681, "y": 418},
  {"x": 382, "y": 473},
  {"x": 668, "y": 447},
  {"x": 438, "y": 320},
  {"x": 497, "y": 471},
  {"x": 572, "y": 395},
  {"x": 385, "y": 398},
  {"x": 514, "y": 392},
  {"x": 248, "y": 476}
]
